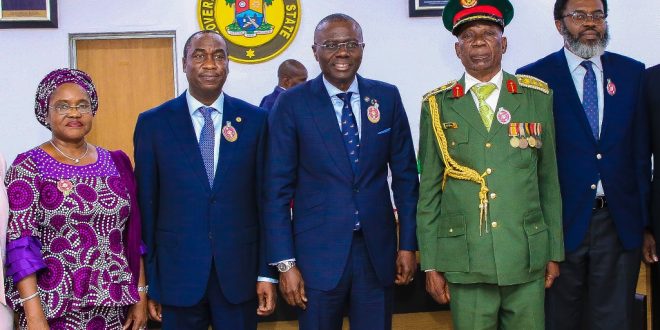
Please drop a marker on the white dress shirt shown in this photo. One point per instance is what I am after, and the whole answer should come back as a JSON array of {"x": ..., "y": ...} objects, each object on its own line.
[
  {"x": 198, "y": 121},
  {"x": 577, "y": 73},
  {"x": 494, "y": 97},
  {"x": 338, "y": 104}
]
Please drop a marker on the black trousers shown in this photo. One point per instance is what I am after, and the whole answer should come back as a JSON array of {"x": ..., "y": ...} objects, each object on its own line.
[{"x": 596, "y": 286}]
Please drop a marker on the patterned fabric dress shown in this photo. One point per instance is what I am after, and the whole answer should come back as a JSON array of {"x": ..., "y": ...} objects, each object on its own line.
[{"x": 67, "y": 223}]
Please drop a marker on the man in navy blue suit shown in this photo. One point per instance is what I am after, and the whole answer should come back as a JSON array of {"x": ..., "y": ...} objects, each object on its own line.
[
  {"x": 332, "y": 141},
  {"x": 652, "y": 102},
  {"x": 290, "y": 73},
  {"x": 199, "y": 166},
  {"x": 604, "y": 171}
]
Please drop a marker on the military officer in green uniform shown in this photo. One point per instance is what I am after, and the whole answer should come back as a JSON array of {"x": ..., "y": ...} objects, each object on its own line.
[{"x": 489, "y": 213}]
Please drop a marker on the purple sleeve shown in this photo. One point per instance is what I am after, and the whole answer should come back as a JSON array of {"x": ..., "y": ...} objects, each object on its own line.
[{"x": 24, "y": 257}]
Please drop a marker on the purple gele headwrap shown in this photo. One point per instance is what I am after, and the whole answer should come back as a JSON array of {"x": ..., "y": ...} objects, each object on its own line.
[{"x": 55, "y": 79}]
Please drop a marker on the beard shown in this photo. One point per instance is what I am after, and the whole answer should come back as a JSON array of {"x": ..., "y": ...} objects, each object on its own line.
[{"x": 585, "y": 50}]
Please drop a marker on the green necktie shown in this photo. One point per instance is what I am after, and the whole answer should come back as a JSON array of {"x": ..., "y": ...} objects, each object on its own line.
[{"x": 482, "y": 91}]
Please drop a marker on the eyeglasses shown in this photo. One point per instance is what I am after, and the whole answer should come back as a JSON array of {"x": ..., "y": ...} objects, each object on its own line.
[
  {"x": 580, "y": 17},
  {"x": 335, "y": 46},
  {"x": 64, "y": 109}
]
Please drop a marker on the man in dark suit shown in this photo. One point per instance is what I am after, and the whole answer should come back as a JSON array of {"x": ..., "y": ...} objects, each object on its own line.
[
  {"x": 332, "y": 141},
  {"x": 198, "y": 162},
  {"x": 291, "y": 73},
  {"x": 604, "y": 170},
  {"x": 652, "y": 102}
]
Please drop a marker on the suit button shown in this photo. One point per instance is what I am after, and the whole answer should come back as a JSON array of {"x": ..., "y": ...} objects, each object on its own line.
[
  {"x": 488, "y": 145},
  {"x": 356, "y": 189},
  {"x": 599, "y": 156},
  {"x": 453, "y": 143},
  {"x": 213, "y": 201},
  {"x": 210, "y": 235},
  {"x": 451, "y": 230},
  {"x": 593, "y": 187},
  {"x": 494, "y": 224},
  {"x": 489, "y": 171},
  {"x": 493, "y": 195}
]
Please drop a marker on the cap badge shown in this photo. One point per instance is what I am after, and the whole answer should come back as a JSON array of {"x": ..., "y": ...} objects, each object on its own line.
[{"x": 468, "y": 3}]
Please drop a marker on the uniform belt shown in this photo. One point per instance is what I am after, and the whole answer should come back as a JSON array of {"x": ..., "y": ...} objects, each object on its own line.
[{"x": 600, "y": 202}]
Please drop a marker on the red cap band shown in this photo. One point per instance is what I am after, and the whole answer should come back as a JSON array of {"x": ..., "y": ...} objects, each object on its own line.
[{"x": 484, "y": 9}]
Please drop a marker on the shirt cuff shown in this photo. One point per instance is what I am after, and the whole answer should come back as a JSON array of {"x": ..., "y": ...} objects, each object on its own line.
[
  {"x": 285, "y": 260},
  {"x": 24, "y": 257},
  {"x": 267, "y": 279}
]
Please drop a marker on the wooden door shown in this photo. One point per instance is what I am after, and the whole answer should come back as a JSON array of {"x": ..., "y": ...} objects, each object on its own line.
[{"x": 131, "y": 75}]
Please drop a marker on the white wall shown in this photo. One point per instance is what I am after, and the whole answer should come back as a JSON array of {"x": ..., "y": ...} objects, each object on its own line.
[{"x": 416, "y": 54}]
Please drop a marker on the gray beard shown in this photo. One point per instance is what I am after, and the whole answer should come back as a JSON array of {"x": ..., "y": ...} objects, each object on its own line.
[{"x": 585, "y": 50}]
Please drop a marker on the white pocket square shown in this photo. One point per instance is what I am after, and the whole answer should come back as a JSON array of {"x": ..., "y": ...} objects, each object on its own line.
[{"x": 385, "y": 131}]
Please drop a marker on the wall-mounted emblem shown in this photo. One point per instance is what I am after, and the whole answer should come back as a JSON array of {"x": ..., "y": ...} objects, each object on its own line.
[{"x": 255, "y": 30}]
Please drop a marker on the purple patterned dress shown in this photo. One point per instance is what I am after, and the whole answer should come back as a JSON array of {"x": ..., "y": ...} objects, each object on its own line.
[{"x": 67, "y": 223}]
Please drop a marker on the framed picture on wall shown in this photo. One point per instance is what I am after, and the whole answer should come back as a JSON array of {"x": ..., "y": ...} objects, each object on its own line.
[
  {"x": 17, "y": 14},
  {"x": 426, "y": 8}
]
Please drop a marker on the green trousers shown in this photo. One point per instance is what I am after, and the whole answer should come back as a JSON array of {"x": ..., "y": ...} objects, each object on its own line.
[{"x": 490, "y": 306}]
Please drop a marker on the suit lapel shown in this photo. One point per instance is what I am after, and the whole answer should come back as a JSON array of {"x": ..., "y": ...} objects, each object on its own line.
[
  {"x": 323, "y": 113},
  {"x": 464, "y": 106},
  {"x": 367, "y": 129},
  {"x": 227, "y": 149},
  {"x": 567, "y": 88},
  {"x": 609, "y": 114},
  {"x": 506, "y": 100},
  {"x": 182, "y": 128}
]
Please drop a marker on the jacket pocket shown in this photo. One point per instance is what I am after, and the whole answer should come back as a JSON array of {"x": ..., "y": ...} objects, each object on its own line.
[
  {"x": 522, "y": 158},
  {"x": 453, "y": 253},
  {"x": 537, "y": 240}
]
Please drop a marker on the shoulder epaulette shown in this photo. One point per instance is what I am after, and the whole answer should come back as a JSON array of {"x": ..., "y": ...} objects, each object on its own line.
[
  {"x": 533, "y": 83},
  {"x": 440, "y": 89}
]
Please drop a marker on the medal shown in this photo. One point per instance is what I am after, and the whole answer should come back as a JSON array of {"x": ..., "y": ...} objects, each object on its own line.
[
  {"x": 611, "y": 87},
  {"x": 229, "y": 132},
  {"x": 513, "y": 133},
  {"x": 538, "y": 143},
  {"x": 373, "y": 114},
  {"x": 523, "y": 143},
  {"x": 514, "y": 142},
  {"x": 531, "y": 141},
  {"x": 522, "y": 132},
  {"x": 503, "y": 116},
  {"x": 65, "y": 186}
]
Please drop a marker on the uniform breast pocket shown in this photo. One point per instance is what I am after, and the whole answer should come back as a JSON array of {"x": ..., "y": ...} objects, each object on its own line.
[
  {"x": 457, "y": 144},
  {"x": 522, "y": 158},
  {"x": 453, "y": 253}
]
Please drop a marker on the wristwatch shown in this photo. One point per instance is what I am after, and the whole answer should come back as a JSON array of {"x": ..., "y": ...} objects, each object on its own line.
[{"x": 285, "y": 265}]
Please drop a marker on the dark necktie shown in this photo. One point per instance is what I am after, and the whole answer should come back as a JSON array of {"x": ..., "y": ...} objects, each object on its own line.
[
  {"x": 207, "y": 142},
  {"x": 349, "y": 132},
  {"x": 590, "y": 97}
]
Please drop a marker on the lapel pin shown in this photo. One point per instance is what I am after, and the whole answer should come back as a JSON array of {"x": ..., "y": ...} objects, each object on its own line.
[
  {"x": 229, "y": 132},
  {"x": 367, "y": 99},
  {"x": 503, "y": 116},
  {"x": 611, "y": 87},
  {"x": 373, "y": 113},
  {"x": 239, "y": 119}
]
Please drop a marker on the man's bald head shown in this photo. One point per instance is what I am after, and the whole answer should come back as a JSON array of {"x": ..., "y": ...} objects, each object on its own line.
[{"x": 291, "y": 73}]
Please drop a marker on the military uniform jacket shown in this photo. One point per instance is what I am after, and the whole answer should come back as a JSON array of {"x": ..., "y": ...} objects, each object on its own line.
[{"x": 523, "y": 228}]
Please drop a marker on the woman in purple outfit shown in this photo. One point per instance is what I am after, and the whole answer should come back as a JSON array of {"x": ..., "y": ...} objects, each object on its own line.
[{"x": 74, "y": 253}]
